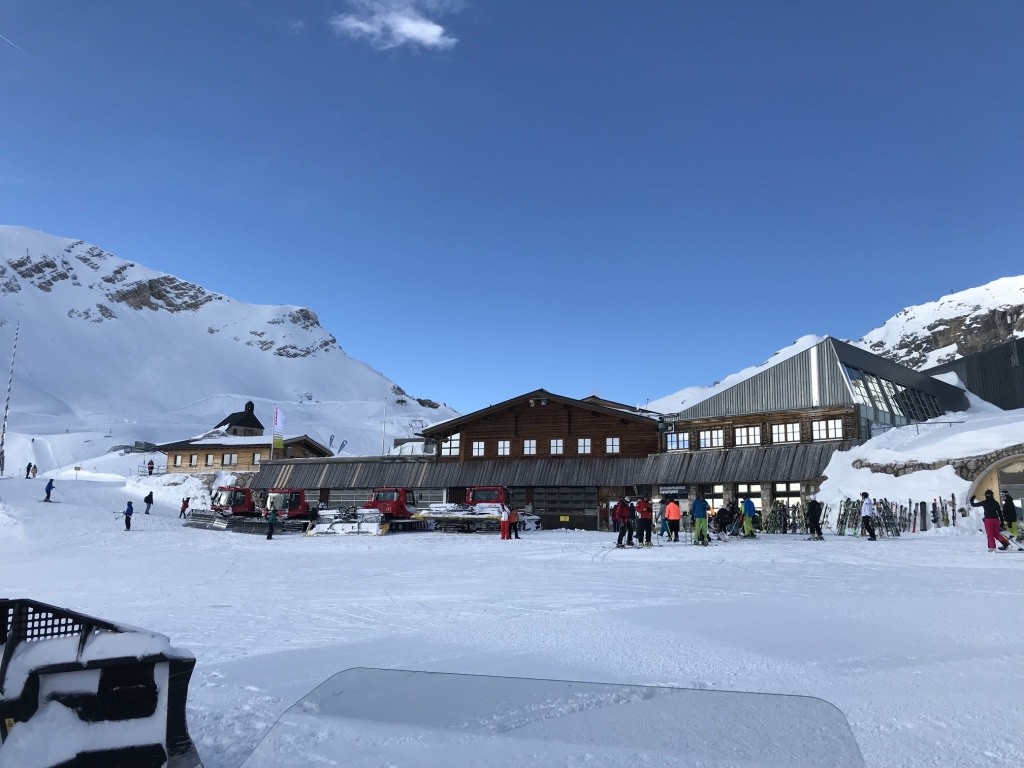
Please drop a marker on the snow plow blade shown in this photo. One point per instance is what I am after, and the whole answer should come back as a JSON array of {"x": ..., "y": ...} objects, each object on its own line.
[
  {"x": 365, "y": 522},
  {"x": 206, "y": 518}
]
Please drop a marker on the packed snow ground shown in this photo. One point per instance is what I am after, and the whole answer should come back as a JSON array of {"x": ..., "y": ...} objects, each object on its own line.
[{"x": 916, "y": 639}]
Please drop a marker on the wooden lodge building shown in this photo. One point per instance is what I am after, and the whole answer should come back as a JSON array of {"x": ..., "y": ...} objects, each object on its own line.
[
  {"x": 236, "y": 444},
  {"x": 770, "y": 436}
]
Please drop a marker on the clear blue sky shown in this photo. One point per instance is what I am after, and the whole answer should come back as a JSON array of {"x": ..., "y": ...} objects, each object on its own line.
[{"x": 483, "y": 197}]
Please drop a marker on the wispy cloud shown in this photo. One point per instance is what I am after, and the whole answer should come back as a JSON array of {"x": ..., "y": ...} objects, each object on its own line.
[
  {"x": 393, "y": 23},
  {"x": 297, "y": 26},
  {"x": 12, "y": 43}
]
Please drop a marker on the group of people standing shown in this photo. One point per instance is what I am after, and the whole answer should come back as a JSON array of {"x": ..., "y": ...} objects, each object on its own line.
[
  {"x": 627, "y": 513},
  {"x": 509, "y": 523}
]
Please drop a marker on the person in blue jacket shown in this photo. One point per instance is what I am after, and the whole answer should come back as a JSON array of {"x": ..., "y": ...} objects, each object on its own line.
[
  {"x": 49, "y": 488},
  {"x": 699, "y": 510},
  {"x": 128, "y": 512}
]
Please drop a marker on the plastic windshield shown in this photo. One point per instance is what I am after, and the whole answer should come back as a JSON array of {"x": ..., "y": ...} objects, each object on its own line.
[{"x": 375, "y": 717}]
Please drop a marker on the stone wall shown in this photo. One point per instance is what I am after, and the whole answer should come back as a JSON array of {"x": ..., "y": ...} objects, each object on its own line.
[{"x": 970, "y": 468}]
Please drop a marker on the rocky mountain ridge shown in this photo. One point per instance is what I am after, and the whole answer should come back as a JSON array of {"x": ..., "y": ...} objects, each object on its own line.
[{"x": 952, "y": 327}]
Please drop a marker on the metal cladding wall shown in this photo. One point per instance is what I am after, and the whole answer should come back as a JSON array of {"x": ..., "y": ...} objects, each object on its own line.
[
  {"x": 995, "y": 375},
  {"x": 797, "y": 462},
  {"x": 809, "y": 379}
]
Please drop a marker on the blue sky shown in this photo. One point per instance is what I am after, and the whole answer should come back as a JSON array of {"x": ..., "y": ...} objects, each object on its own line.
[{"x": 481, "y": 198}]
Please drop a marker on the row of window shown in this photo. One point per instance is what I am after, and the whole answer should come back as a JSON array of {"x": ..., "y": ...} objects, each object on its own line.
[
  {"x": 894, "y": 403},
  {"x": 226, "y": 460},
  {"x": 556, "y": 446},
  {"x": 826, "y": 429}
]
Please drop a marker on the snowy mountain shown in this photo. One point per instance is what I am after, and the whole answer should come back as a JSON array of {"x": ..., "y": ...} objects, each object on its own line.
[
  {"x": 103, "y": 342},
  {"x": 956, "y": 325}
]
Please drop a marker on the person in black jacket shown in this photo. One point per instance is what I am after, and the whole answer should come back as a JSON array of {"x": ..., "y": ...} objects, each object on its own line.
[
  {"x": 991, "y": 520},
  {"x": 1010, "y": 515},
  {"x": 814, "y": 519}
]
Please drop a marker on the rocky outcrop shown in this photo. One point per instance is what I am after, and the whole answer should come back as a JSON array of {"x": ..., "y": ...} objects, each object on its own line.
[{"x": 967, "y": 468}]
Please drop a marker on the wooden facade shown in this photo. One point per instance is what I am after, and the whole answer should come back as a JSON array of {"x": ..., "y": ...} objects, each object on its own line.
[
  {"x": 735, "y": 428},
  {"x": 540, "y": 425},
  {"x": 208, "y": 455}
]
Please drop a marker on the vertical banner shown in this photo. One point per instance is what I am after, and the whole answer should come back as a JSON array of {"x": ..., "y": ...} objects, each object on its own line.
[{"x": 278, "y": 440}]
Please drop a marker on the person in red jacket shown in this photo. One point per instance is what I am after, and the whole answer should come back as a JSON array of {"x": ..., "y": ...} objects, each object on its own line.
[
  {"x": 645, "y": 520},
  {"x": 621, "y": 515}
]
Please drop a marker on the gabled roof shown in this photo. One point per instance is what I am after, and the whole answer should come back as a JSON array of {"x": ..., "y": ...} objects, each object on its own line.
[
  {"x": 817, "y": 377},
  {"x": 245, "y": 419},
  {"x": 219, "y": 439},
  {"x": 535, "y": 398}
]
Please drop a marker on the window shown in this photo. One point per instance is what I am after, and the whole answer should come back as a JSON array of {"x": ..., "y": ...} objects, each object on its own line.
[
  {"x": 450, "y": 446},
  {"x": 478, "y": 447},
  {"x": 556, "y": 446},
  {"x": 748, "y": 435},
  {"x": 529, "y": 447},
  {"x": 583, "y": 445},
  {"x": 209, "y": 459},
  {"x": 677, "y": 441},
  {"x": 829, "y": 429},
  {"x": 193, "y": 460},
  {"x": 712, "y": 438},
  {"x": 611, "y": 445},
  {"x": 786, "y": 433},
  {"x": 229, "y": 460},
  {"x": 504, "y": 447},
  {"x": 256, "y": 459},
  {"x": 177, "y": 460}
]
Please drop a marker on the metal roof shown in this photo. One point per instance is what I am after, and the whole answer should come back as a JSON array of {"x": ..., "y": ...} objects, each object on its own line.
[
  {"x": 805, "y": 461},
  {"x": 814, "y": 378}
]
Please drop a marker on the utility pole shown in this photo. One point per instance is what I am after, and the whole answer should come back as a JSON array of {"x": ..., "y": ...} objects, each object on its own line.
[{"x": 7, "y": 404}]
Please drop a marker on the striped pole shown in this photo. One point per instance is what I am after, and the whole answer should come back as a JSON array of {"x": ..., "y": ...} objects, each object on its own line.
[{"x": 7, "y": 404}]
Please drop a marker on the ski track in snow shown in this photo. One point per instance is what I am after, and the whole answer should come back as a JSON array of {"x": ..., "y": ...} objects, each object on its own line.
[{"x": 914, "y": 639}]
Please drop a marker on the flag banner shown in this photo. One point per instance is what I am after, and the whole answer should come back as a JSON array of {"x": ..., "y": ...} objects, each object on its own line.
[{"x": 278, "y": 440}]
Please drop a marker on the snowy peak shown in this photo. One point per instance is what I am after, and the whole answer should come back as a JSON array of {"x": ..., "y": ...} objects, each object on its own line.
[
  {"x": 956, "y": 325},
  {"x": 95, "y": 286}
]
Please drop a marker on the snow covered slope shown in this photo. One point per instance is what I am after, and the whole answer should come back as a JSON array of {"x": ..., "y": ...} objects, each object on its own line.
[{"x": 102, "y": 341}]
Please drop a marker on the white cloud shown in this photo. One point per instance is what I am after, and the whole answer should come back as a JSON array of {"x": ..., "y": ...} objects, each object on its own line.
[
  {"x": 297, "y": 26},
  {"x": 392, "y": 23}
]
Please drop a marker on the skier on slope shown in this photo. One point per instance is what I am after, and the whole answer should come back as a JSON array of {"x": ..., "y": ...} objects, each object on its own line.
[
  {"x": 148, "y": 501},
  {"x": 991, "y": 521},
  {"x": 49, "y": 489},
  {"x": 128, "y": 512}
]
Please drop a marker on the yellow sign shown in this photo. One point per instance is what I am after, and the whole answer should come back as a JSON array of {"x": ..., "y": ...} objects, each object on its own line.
[
  {"x": 9, "y": 723},
  {"x": 563, "y": 518}
]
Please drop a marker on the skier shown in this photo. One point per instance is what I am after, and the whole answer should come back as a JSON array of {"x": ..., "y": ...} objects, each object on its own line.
[
  {"x": 814, "y": 519},
  {"x": 991, "y": 520},
  {"x": 184, "y": 508},
  {"x": 748, "y": 518},
  {"x": 622, "y": 513},
  {"x": 1010, "y": 516},
  {"x": 645, "y": 520},
  {"x": 149, "y": 501},
  {"x": 28, "y": 471},
  {"x": 49, "y": 488},
  {"x": 34, "y": 470},
  {"x": 699, "y": 510},
  {"x": 128, "y": 512},
  {"x": 867, "y": 511},
  {"x": 149, "y": 466},
  {"x": 672, "y": 515},
  {"x": 272, "y": 520}
]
